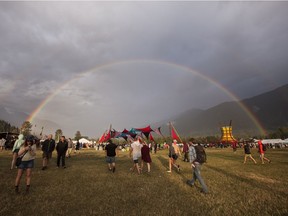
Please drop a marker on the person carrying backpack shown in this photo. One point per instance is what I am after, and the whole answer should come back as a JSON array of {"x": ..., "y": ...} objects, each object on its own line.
[
  {"x": 261, "y": 150},
  {"x": 197, "y": 157}
]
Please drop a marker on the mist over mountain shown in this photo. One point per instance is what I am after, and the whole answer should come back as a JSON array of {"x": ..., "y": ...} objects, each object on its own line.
[
  {"x": 16, "y": 118},
  {"x": 270, "y": 109}
]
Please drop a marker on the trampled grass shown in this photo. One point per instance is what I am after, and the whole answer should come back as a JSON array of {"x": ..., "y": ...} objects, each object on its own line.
[{"x": 86, "y": 187}]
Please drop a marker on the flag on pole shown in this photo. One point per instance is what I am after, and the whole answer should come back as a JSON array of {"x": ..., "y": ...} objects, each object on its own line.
[
  {"x": 174, "y": 133},
  {"x": 151, "y": 137},
  {"x": 158, "y": 131},
  {"x": 102, "y": 138}
]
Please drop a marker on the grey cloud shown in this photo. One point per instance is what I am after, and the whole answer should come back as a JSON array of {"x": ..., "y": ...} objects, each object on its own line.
[{"x": 241, "y": 45}]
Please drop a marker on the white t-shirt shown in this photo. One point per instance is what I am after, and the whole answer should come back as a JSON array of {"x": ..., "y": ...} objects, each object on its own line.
[{"x": 136, "y": 153}]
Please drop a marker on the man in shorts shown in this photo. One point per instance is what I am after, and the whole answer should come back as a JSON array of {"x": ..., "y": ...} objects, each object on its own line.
[
  {"x": 135, "y": 151},
  {"x": 247, "y": 152},
  {"x": 48, "y": 147},
  {"x": 111, "y": 152}
]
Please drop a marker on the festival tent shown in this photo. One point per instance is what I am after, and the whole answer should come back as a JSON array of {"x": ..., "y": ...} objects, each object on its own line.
[
  {"x": 85, "y": 141},
  {"x": 271, "y": 141}
]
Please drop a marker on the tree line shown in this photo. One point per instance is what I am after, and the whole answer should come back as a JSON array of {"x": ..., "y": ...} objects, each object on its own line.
[{"x": 26, "y": 129}]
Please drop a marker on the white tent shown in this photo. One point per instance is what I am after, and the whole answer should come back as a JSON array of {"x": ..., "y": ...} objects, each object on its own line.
[{"x": 85, "y": 141}]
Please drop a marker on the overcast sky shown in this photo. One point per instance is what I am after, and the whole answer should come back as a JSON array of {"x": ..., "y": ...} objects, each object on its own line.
[{"x": 241, "y": 45}]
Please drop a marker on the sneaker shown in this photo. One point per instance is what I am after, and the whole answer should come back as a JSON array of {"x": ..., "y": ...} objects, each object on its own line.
[
  {"x": 168, "y": 171},
  {"x": 17, "y": 190},
  {"x": 204, "y": 192},
  {"x": 189, "y": 183}
]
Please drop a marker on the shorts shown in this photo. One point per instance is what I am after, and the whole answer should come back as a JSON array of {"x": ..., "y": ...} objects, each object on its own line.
[
  {"x": 110, "y": 159},
  {"x": 136, "y": 161},
  {"x": 16, "y": 151},
  {"x": 47, "y": 155},
  {"x": 174, "y": 156},
  {"x": 26, "y": 164}
]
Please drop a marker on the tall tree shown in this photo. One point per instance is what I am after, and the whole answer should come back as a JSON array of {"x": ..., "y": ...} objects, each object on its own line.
[
  {"x": 58, "y": 134},
  {"x": 26, "y": 128},
  {"x": 78, "y": 135}
]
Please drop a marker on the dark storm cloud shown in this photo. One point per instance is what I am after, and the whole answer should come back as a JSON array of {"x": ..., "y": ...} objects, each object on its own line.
[{"x": 241, "y": 45}]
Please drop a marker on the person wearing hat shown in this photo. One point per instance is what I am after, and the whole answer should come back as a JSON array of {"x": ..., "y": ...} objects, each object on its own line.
[{"x": 28, "y": 151}]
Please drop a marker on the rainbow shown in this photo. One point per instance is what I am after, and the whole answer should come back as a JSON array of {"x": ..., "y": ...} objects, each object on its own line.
[{"x": 103, "y": 66}]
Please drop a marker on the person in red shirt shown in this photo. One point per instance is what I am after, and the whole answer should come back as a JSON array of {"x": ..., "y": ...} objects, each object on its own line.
[{"x": 262, "y": 152}]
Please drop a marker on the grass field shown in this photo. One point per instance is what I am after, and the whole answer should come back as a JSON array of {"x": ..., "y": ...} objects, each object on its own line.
[{"x": 86, "y": 187}]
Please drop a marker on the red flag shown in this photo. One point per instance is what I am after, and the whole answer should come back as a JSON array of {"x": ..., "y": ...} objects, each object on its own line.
[
  {"x": 101, "y": 139},
  {"x": 151, "y": 137},
  {"x": 174, "y": 133}
]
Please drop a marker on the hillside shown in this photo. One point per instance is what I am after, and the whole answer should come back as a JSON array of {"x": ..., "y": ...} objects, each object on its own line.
[{"x": 269, "y": 108}]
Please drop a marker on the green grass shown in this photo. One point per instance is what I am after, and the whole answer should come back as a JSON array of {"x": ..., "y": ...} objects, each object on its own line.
[{"x": 86, "y": 187}]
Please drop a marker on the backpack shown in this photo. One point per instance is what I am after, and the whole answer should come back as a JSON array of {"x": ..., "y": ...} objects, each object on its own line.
[{"x": 200, "y": 154}]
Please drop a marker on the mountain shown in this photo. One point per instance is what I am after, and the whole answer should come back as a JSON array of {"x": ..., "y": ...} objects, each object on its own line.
[
  {"x": 270, "y": 108},
  {"x": 16, "y": 118},
  {"x": 12, "y": 116}
]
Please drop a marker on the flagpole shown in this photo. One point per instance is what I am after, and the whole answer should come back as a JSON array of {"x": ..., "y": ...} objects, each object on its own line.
[{"x": 176, "y": 133}]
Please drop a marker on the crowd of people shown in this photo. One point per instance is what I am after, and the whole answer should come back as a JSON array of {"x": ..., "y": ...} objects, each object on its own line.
[{"x": 25, "y": 150}]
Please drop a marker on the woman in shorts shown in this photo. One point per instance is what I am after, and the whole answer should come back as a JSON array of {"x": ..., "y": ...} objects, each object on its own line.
[
  {"x": 16, "y": 147},
  {"x": 28, "y": 149}
]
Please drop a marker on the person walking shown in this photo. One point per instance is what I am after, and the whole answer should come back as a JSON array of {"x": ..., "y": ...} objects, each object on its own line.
[
  {"x": 111, "y": 153},
  {"x": 197, "y": 157},
  {"x": 16, "y": 147},
  {"x": 2, "y": 144},
  {"x": 247, "y": 152},
  {"x": 155, "y": 147},
  {"x": 174, "y": 153},
  {"x": 261, "y": 150},
  {"x": 61, "y": 149},
  {"x": 70, "y": 148},
  {"x": 28, "y": 151},
  {"x": 186, "y": 152},
  {"x": 135, "y": 151},
  {"x": 48, "y": 147},
  {"x": 145, "y": 154}
]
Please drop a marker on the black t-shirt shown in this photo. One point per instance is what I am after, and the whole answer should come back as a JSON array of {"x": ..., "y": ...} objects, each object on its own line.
[
  {"x": 247, "y": 149},
  {"x": 110, "y": 149}
]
